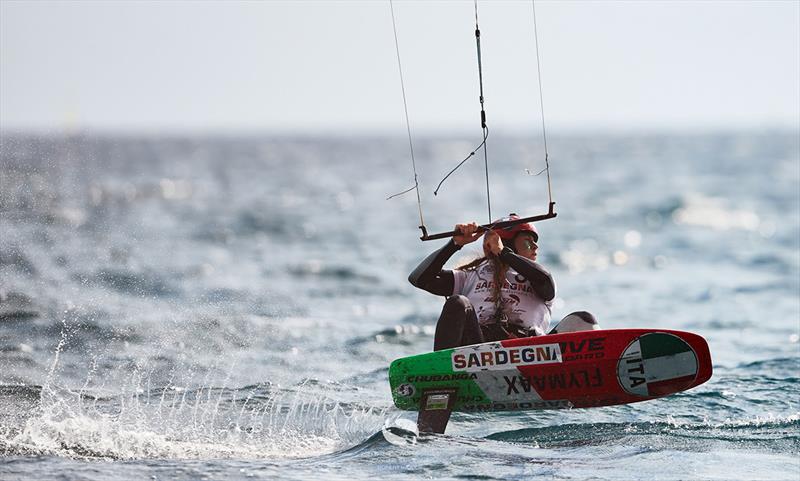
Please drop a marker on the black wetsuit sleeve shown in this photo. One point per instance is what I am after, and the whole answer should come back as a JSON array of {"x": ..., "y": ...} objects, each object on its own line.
[
  {"x": 430, "y": 276},
  {"x": 540, "y": 280}
]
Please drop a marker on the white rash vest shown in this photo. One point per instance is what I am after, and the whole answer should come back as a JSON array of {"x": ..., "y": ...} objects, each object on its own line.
[{"x": 520, "y": 304}]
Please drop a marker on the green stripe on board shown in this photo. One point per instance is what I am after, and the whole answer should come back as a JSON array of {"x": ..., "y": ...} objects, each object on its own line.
[
  {"x": 660, "y": 344},
  {"x": 431, "y": 362},
  {"x": 428, "y": 371}
]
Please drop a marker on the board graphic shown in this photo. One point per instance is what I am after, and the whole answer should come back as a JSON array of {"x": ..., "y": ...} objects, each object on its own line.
[{"x": 571, "y": 370}]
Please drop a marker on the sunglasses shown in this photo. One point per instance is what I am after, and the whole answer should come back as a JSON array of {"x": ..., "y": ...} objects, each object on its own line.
[{"x": 529, "y": 244}]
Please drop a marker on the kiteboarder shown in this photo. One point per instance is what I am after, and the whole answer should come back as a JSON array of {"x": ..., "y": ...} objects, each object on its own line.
[{"x": 504, "y": 294}]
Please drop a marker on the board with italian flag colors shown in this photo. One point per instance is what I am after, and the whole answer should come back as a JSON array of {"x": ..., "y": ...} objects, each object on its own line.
[{"x": 571, "y": 370}]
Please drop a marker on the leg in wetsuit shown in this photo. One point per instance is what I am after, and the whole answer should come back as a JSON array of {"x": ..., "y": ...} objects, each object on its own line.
[{"x": 457, "y": 325}]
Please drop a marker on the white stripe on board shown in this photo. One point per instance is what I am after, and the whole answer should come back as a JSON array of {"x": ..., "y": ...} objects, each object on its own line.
[{"x": 670, "y": 367}]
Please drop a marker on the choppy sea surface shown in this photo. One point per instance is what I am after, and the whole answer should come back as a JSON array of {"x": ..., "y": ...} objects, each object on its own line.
[{"x": 227, "y": 307}]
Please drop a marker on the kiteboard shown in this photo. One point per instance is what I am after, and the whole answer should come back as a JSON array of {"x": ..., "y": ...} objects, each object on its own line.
[{"x": 560, "y": 371}]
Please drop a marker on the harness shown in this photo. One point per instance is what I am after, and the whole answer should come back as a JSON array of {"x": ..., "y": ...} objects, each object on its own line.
[{"x": 501, "y": 329}]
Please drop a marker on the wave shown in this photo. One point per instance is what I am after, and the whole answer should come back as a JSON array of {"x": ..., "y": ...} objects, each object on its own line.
[
  {"x": 22, "y": 392},
  {"x": 144, "y": 284},
  {"x": 263, "y": 219},
  {"x": 253, "y": 422},
  {"x": 14, "y": 258},
  {"x": 375, "y": 441},
  {"x": 16, "y": 306},
  {"x": 782, "y": 433},
  {"x": 771, "y": 364},
  {"x": 337, "y": 272},
  {"x": 401, "y": 334}
]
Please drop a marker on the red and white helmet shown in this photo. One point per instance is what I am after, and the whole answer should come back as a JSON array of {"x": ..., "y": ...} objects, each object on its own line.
[{"x": 508, "y": 233}]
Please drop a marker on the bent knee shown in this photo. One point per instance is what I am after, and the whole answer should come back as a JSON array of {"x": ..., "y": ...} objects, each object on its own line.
[{"x": 458, "y": 301}]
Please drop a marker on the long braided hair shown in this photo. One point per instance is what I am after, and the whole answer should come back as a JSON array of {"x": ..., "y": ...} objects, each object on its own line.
[{"x": 499, "y": 269}]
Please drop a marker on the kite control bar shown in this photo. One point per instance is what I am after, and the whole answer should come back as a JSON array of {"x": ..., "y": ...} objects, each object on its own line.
[{"x": 485, "y": 227}]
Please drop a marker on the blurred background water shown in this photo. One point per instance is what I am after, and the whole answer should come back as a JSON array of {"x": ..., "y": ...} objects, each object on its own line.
[{"x": 227, "y": 307}]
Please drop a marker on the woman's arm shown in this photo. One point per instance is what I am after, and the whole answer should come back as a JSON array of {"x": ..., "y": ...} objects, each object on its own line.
[
  {"x": 429, "y": 274},
  {"x": 538, "y": 277}
]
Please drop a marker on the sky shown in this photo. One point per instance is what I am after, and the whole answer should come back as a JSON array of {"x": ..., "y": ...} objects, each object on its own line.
[{"x": 331, "y": 66}]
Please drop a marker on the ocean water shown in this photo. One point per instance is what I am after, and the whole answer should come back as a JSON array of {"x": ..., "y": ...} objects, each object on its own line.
[{"x": 227, "y": 307}]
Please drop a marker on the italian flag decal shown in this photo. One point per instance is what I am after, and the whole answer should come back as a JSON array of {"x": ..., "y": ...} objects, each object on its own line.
[{"x": 657, "y": 364}]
